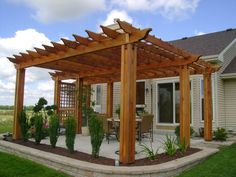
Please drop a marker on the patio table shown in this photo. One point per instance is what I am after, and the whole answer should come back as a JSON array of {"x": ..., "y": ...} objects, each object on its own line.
[{"x": 117, "y": 121}]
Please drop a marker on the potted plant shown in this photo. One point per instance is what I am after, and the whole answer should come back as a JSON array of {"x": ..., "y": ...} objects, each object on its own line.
[{"x": 118, "y": 110}]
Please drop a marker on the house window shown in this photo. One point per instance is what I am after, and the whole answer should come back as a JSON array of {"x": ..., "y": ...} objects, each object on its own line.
[
  {"x": 140, "y": 93},
  {"x": 98, "y": 95},
  {"x": 169, "y": 102},
  {"x": 98, "y": 98}
]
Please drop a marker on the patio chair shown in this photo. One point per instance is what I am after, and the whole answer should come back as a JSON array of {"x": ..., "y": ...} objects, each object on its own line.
[
  {"x": 108, "y": 127},
  {"x": 146, "y": 127}
]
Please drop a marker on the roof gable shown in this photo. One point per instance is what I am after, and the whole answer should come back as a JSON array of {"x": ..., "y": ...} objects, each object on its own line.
[
  {"x": 231, "y": 68},
  {"x": 208, "y": 44}
]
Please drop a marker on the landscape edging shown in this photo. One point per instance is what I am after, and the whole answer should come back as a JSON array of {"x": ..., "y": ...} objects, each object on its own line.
[{"x": 80, "y": 168}]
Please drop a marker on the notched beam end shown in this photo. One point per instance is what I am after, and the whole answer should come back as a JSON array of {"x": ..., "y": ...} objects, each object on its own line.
[
  {"x": 59, "y": 46},
  {"x": 95, "y": 36},
  {"x": 146, "y": 32},
  {"x": 41, "y": 51},
  {"x": 82, "y": 40},
  {"x": 128, "y": 28},
  {"x": 109, "y": 32},
  {"x": 69, "y": 43}
]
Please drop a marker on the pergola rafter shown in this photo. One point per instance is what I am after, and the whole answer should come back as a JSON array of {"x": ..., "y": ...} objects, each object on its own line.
[
  {"x": 152, "y": 53},
  {"x": 123, "y": 54}
]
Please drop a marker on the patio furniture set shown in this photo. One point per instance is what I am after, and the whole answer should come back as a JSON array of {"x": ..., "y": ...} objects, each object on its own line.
[{"x": 144, "y": 127}]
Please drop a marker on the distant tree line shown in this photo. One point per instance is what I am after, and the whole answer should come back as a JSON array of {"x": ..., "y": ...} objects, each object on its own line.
[{"x": 8, "y": 107}]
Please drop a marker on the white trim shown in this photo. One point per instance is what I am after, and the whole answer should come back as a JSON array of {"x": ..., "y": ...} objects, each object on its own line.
[
  {"x": 210, "y": 58},
  {"x": 192, "y": 122},
  {"x": 228, "y": 76},
  {"x": 171, "y": 80},
  {"x": 97, "y": 107},
  {"x": 221, "y": 55},
  {"x": 166, "y": 79}
]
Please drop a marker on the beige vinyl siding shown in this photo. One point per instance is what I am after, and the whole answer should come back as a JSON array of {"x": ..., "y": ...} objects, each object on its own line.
[
  {"x": 196, "y": 112},
  {"x": 220, "y": 101},
  {"x": 104, "y": 98},
  {"x": 116, "y": 96},
  {"x": 227, "y": 55},
  {"x": 198, "y": 100},
  {"x": 230, "y": 104}
]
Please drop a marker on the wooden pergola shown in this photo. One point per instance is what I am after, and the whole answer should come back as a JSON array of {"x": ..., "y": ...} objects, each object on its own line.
[{"x": 125, "y": 54}]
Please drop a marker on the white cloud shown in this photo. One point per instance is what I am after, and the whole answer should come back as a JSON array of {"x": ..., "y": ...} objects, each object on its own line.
[
  {"x": 21, "y": 41},
  {"x": 122, "y": 15},
  {"x": 46, "y": 86},
  {"x": 171, "y": 9},
  {"x": 198, "y": 33},
  {"x": 48, "y": 11},
  {"x": 62, "y": 10}
]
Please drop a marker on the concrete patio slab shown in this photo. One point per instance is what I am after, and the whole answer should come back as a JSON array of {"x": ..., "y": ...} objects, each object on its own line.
[{"x": 82, "y": 144}]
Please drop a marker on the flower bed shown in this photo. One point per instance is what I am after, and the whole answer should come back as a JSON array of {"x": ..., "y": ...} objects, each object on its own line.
[{"x": 161, "y": 158}]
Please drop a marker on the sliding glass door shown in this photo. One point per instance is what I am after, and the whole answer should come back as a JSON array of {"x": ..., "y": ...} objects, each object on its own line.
[
  {"x": 165, "y": 97},
  {"x": 168, "y": 98}
]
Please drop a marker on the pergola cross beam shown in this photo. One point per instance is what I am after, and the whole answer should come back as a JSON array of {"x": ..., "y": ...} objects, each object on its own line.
[{"x": 93, "y": 46}]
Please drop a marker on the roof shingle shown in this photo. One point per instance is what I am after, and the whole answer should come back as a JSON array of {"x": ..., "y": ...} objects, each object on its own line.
[{"x": 208, "y": 44}]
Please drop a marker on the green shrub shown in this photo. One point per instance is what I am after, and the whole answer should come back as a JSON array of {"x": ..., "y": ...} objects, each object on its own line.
[
  {"x": 220, "y": 134},
  {"x": 182, "y": 146},
  {"x": 149, "y": 151},
  {"x": 24, "y": 125},
  {"x": 70, "y": 125},
  {"x": 170, "y": 145},
  {"x": 118, "y": 110},
  {"x": 38, "y": 127},
  {"x": 45, "y": 131},
  {"x": 177, "y": 131},
  {"x": 53, "y": 129},
  {"x": 96, "y": 133},
  {"x": 45, "y": 111}
]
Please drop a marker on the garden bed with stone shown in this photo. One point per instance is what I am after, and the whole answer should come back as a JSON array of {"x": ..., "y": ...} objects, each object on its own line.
[{"x": 161, "y": 158}]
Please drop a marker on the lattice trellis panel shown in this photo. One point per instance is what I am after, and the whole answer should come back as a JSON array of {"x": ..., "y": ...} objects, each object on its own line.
[{"x": 67, "y": 100}]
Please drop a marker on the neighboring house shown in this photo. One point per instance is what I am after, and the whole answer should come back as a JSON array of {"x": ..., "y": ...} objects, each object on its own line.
[{"x": 161, "y": 96}]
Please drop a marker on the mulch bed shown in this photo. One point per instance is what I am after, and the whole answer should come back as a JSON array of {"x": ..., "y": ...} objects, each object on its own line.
[{"x": 161, "y": 158}]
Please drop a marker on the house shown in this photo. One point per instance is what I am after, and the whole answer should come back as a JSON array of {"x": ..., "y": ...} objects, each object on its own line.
[{"x": 161, "y": 96}]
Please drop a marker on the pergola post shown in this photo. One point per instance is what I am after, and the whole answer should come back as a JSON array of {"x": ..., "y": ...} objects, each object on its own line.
[
  {"x": 57, "y": 88},
  {"x": 110, "y": 99},
  {"x": 184, "y": 106},
  {"x": 207, "y": 107},
  {"x": 128, "y": 103},
  {"x": 88, "y": 95},
  {"x": 78, "y": 106},
  {"x": 19, "y": 101}
]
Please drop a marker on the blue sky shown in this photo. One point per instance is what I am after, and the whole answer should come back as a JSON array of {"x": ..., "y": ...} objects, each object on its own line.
[{"x": 28, "y": 23}]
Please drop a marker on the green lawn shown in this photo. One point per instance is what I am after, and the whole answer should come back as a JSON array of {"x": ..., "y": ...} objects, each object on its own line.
[
  {"x": 6, "y": 122},
  {"x": 222, "y": 164},
  {"x": 13, "y": 166}
]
